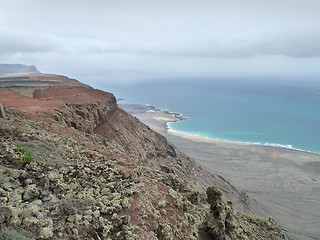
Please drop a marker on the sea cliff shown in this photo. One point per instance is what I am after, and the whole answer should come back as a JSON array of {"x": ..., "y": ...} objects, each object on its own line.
[{"x": 73, "y": 165}]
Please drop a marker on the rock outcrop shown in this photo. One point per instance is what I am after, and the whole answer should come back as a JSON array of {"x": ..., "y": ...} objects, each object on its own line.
[
  {"x": 75, "y": 166},
  {"x": 87, "y": 108},
  {"x": 2, "y": 113},
  {"x": 224, "y": 223}
]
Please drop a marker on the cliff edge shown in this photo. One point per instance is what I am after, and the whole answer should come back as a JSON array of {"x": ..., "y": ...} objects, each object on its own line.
[{"x": 73, "y": 165}]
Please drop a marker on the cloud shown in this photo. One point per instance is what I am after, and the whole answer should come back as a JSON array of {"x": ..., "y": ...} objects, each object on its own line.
[
  {"x": 297, "y": 46},
  {"x": 23, "y": 41},
  {"x": 161, "y": 37}
]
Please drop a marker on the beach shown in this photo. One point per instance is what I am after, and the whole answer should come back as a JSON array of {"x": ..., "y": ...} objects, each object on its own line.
[{"x": 285, "y": 182}]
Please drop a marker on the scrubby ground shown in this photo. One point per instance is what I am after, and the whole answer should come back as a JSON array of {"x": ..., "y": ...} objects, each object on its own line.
[
  {"x": 72, "y": 198},
  {"x": 70, "y": 192},
  {"x": 75, "y": 166}
]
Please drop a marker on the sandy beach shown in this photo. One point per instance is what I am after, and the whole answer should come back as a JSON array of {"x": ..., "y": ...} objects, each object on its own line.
[{"x": 284, "y": 181}]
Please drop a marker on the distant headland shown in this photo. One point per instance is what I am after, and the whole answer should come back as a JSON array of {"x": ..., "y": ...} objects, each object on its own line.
[{"x": 15, "y": 69}]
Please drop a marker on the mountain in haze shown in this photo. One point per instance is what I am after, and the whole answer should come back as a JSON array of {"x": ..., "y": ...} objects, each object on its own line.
[{"x": 11, "y": 69}]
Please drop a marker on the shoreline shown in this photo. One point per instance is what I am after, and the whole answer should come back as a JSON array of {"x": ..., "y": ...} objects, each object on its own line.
[
  {"x": 202, "y": 138},
  {"x": 165, "y": 117},
  {"x": 284, "y": 181}
]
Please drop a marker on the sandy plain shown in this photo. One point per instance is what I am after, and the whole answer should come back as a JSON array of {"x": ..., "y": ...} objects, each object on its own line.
[{"x": 285, "y": 182}]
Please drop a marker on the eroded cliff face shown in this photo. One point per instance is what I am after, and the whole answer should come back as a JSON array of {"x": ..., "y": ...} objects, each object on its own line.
[
  {"x": 99, "y": 173},
  {"x": 81, "y": 108},
  {"x": 94, "y": 111}
]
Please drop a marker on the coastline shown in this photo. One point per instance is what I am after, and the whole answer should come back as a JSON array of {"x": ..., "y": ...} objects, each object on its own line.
[
  {"x": 201, "y": 138},
  {"x": 283, "y": 180},
  {"x": 166, "y": 117}
]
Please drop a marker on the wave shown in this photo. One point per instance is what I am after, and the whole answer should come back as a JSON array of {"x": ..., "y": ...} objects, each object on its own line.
[
  {"x": 265, "y": 144},
  {"x": 199, "y": 136}
]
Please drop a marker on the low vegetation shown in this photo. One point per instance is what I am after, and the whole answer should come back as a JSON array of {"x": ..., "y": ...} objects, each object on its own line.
[
  {"x": 9, "y": 234},
  {"x": 27, "y": 156},
  {"x": 61, "y": 182}
]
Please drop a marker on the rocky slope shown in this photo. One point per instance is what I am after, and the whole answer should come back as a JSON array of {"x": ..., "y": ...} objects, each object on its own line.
[{"x": 75, "y": 166}]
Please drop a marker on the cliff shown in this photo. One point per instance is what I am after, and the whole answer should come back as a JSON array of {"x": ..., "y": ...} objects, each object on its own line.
[{"x": 75, "y": 166}]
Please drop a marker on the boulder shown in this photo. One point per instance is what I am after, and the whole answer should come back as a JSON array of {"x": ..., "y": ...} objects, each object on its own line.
[
  {"x": 30, "y": 192},
  {"x": 46, "y": 233}
]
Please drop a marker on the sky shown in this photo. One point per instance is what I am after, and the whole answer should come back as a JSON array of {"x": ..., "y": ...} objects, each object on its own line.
[{"x": 134, "y": 40}]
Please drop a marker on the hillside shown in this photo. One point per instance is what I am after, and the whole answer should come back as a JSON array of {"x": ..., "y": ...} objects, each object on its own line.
[
  {"x": 10, "y": 69},
  {"x": 73, "y": 165}
]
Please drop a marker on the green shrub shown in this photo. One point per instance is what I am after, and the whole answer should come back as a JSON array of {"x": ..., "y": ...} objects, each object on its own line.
[
  {"x": 7, "y": 234},
  {"x": 21, "y": 149},
  {"x": 27, "y": 155}
]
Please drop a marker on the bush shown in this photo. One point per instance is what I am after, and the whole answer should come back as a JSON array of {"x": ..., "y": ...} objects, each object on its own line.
[
  {"x": 19, "y": 148},
  {"x": 27, "y": 155},
  {"x": 7, "y": 234}
]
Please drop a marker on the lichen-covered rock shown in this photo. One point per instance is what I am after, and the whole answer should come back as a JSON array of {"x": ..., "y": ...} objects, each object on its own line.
[
  {"x": 164, "y": 232},
  {"x": 224, "y": 223},
  {"x": 99, "y": 173},
  {"x": 162, "y": 204},
  {"x": 5, "y": 214},
  {"x": 54, "y": 176},
  {"x": 15, "y": 197},
  {"x": 221, "y": 223},
  {"x": 3, "y": 193},
  {"x": 31, "y": 192},
  {"x": 46, "y": 233}
]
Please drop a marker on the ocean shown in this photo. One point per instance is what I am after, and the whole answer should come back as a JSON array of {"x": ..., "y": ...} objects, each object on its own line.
[{"x": 267, "y": 112}]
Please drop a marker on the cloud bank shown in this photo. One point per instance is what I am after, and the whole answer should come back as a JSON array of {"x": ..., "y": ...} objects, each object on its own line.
[{"x": 149, "y": 39}]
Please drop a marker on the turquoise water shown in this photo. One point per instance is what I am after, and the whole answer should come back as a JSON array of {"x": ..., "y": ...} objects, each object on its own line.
[{"x": 260, "y": 112}]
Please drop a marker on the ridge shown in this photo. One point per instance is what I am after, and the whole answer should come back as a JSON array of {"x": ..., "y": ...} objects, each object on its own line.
[{"x": 96, "y": 172}]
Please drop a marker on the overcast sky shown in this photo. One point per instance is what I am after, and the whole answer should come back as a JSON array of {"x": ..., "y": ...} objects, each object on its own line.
[{"x": 151, "y": 39}]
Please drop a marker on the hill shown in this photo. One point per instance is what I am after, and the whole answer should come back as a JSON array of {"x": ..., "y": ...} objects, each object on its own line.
[
  {"x": 10, "y": 69},
  {"x": 73, "y": 165}
]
